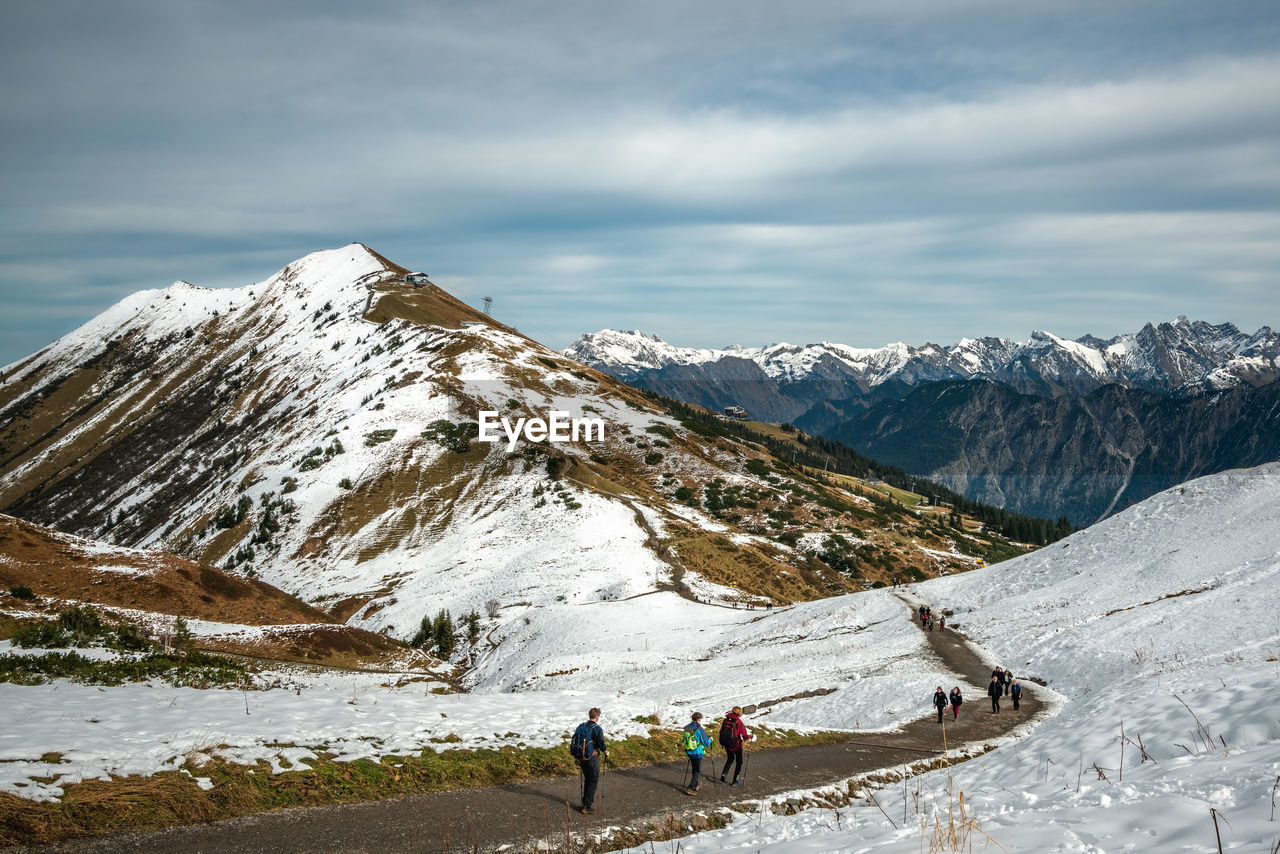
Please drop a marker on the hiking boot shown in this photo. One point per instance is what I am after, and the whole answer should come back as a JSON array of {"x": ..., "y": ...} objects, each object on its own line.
[
  {"x": 722, "y": 778},
  {"x": 737, "y": 782},
  {"x": 691, "y": 791},
  {"x": 585, "y": 810}
]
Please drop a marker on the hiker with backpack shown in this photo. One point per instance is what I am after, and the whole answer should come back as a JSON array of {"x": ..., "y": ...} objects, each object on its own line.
[
  {"x": 1015, "y": 691},
  {"x": 733, "y": 732},
  {"x": 940, "y": 700},
  {"x": 956, "y": 700},
  {"x": 587, "y": 746},
  {"x": 695, "y": 741}
]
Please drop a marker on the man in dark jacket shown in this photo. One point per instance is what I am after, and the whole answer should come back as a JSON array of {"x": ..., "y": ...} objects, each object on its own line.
[
  {"x": 590, "y": 766},
  {"x": 733, "y": 732},
  {"x": 940, "y": 700},
  {"x": 995, "y": 690}
]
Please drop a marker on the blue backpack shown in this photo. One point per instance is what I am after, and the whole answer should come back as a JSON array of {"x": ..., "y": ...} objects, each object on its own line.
[{"x": 583, "y": 744}]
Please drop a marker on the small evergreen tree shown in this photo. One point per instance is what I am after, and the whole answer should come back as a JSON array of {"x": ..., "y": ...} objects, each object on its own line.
[
  {"x": 444, "y": 636},
  {"x": 473, "y": 628},
  {"x": 182, "y": 639},
  {"x": 426, "y": 633},
  {"x": 22, "y": 591}
]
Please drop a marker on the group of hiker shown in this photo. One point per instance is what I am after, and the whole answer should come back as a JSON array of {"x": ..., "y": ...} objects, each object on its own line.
[
  {"x": 1003, "y": 684},
  {"x": 926, "y": 619},
  {"x": 588, "y": 745}
]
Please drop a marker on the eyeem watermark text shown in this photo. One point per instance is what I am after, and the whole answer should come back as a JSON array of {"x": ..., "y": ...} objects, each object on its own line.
[{"x": 558, "y": 428}]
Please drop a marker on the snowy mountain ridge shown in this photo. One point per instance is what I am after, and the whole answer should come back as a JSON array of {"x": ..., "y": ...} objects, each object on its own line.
[
  {"x": 1166, "y": 358},
  {"x": 320, "y": 434}
]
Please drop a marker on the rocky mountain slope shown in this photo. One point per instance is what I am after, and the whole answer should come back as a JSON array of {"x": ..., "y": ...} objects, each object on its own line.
[
  {"x": 318, "y": 431},
  {"x": 781, "y": 381},
  {"x": 1045, "y": 427},
  {"x": 1086, "y": 456}
]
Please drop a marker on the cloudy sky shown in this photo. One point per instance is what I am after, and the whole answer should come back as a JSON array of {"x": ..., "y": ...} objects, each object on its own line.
[{"x": 736, "y": 172}]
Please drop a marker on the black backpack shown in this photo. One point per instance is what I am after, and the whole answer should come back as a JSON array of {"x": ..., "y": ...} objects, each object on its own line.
[{"x": 728, "y": 736}]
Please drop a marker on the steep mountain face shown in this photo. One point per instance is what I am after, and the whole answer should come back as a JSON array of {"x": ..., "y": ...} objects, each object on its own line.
[
  {"x": 319, "y": 430},
  {"x": 1085, "y": 456},
  {"x": 1179, "y": 357}
]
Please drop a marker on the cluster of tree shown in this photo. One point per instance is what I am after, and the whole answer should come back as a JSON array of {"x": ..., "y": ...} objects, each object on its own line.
[
  {"x": 821, "y": 453},
  {"x": 438, "y": 633}
]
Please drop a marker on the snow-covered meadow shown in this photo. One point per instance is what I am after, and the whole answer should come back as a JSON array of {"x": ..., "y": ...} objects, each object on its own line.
[
  {"x": 654, "y": 654},
  {"x": 1164, "y": 621}
]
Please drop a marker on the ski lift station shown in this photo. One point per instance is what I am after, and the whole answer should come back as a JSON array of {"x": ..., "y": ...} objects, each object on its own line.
[{"x": 416, "y": 279}]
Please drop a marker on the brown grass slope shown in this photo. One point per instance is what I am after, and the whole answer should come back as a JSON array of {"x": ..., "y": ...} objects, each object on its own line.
[
  {"x": 120, "y": 582},
  {"x": 59, "y": 566}
]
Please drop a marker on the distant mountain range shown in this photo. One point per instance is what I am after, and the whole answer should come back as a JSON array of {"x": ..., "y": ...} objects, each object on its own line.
[
  {"x": 1045, "y": 426},
  {"x": 781, "y": 382}
]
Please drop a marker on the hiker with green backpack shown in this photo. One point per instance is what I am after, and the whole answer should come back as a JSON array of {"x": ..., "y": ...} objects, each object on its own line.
[{"x": 695, "y": 741}]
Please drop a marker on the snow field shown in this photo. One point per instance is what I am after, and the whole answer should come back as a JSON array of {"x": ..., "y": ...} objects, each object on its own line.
[
  {"x": 684, "y": 656},
  {"x": 656, "y": 654},
  {"x": 1074, "y": 613},
  {"x": 151, "y": 727}
]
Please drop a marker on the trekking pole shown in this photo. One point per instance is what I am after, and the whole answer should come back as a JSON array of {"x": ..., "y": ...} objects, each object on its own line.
[
  {"x": 746, "y": 759},
  {"x": 688, "y": 766}
]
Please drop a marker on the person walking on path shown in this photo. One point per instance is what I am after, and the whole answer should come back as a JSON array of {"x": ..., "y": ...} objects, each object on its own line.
[
  {"x": 587, "y": 746},
  {"x": 998, "y": 676},
  {"x": 956, "y": 700},
  {"x": 994, "y": 690},
  {"x": 1008, "y": 681},
  {"x": 733, "y": 732},
  {"x": 940, "y": 700},
  {"x": 942, "y": 624},
  {"x": 695, "y": 741},
  {"x": 1015, "y": 691}
]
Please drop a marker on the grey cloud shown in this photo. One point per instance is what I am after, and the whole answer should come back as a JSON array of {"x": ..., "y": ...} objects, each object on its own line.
[{"x": 614, "y": 165}]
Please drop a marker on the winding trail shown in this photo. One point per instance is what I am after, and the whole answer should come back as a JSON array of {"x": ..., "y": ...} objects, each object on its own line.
[{"x": 523, "y": 814}]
